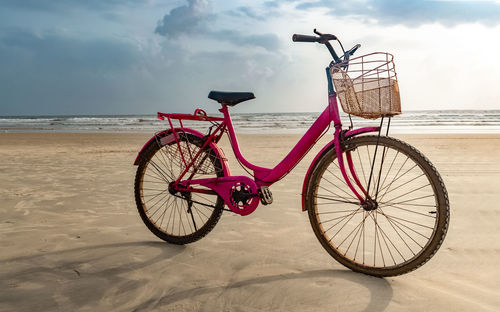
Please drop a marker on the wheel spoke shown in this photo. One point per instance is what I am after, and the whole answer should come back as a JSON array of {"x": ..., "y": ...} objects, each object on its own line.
[
  {"x": 362, "y": 168},
  {"x": 156, "y": 203},
  {"x": 384, "y": 154},
  {"x": 386, "y": 238},
  {"x": 341, "y": 217},
  {"x": 409, "y": 192},
  {"x": 326, "y": 197},
  {"x": 410, "y": 200},
  {"x": 199, "y": 211},
  {"x": 357, "y": 228},
  {"x": 340, "y": 211},
  {"x": 401, "y": 185},
  {"x": 411, "y": 211},
  {"x": 160, "y": 172},
  {"x": 404, "y": 225},
  {"x": 347, "y": 193},
  {"x": 399, "y": 235},
  {"x": 165, "y": 163},
  {"x": 379, "y": 245},
  {"x": 359, "y": 239},
  {"x": 388, "y": 171},
  {"x": 408, "y": 221},
  {"x": 337, "y": 177},
  {"x": 162, "y": 215},
  {"x": 154, "y": 195},
  {"x": 396, "y": 176},
  {"x": 350, "y": 216},
  {"x": 393, "y": 223}
]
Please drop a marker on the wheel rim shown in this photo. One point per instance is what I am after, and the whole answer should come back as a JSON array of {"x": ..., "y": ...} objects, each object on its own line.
[
  {"x": 402, "y": 225},
  {"x": 173, "y": 213}
]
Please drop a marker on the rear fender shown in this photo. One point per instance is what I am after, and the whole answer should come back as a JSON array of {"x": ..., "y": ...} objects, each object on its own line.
[
  {"x": 324, "y": 150},
  {"x": 167, "y": 136}
]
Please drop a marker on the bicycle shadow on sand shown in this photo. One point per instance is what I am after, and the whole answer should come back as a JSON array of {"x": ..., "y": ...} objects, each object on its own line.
[
  {"x": 131, "y": 276},
  {"x": 379, "y": 288},
  {"x": 73, "y": 278}
]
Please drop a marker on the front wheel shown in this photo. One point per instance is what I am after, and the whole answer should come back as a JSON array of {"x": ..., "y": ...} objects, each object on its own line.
[{"x": 404, "y": 225}]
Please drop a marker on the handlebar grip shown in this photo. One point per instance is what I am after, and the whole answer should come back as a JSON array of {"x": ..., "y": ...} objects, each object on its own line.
[{"x": 304, "y": 38}]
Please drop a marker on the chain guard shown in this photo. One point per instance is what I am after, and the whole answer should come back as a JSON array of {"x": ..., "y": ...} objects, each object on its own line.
[{"x": 239, "y": 193}]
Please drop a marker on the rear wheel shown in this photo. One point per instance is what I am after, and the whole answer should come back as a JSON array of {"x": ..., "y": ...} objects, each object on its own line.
[
  {"x": 176, "y": 217},
  {"x": 407, "y": 219}
]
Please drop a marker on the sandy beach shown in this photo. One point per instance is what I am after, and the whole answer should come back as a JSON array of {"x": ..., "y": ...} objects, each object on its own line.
[{"x": 71, "y": 238}]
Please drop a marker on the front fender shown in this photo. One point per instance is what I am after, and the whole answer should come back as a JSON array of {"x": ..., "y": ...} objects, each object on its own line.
[
  {"x": 324, "y": 150},
  {"x": 165, "y": 137}
]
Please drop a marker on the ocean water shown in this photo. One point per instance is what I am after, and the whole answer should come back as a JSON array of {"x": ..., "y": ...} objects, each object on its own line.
[{"x": 449, "y": 121}]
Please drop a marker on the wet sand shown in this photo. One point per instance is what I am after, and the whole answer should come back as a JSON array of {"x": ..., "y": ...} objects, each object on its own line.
[{"x": 71, "y": 239}]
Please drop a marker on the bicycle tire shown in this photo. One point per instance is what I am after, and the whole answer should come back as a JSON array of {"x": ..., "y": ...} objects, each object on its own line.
[
  {"x": 416, "y": 241},
  {"x": 159, "y": 165}
]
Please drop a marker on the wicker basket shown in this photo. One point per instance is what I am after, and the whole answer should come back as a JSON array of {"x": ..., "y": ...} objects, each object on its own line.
[{"x": 368, "y": 86}]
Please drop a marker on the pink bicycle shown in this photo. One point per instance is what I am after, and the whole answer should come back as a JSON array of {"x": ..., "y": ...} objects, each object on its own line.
[{"x": 375, "y": 203}]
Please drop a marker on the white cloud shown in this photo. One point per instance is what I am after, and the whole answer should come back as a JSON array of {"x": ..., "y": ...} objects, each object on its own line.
[
  {"x": 185, "y": 19},
  {"x": 96, "y": 65}
]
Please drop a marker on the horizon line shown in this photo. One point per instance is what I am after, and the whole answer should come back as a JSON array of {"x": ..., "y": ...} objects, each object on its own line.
[{"x": 276, "y": 112}]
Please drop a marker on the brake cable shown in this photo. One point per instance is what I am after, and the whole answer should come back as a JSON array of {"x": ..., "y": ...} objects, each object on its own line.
[{"x": 341, "y": 46}]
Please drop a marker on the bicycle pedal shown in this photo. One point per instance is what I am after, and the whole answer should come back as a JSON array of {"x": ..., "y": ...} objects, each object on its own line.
[{"x": 266, "y": 197}]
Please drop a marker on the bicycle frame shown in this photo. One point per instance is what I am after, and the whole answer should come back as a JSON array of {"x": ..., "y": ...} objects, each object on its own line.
[{"x": 264, "y": 177}]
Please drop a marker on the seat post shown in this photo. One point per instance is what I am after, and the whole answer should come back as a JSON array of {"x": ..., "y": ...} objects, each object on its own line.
[{"x": 223, "y": 109}]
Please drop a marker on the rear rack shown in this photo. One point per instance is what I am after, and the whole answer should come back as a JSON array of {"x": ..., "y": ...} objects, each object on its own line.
[
  {"x": 198, "y": 114},
  {"x": 190, "y": 159}
]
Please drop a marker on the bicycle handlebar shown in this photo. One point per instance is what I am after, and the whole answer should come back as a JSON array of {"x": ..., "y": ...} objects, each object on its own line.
[
  {"x": 325, "y": 39},
  {"x": 321, "y": 38},
  {"x": 304, "y": 38}
]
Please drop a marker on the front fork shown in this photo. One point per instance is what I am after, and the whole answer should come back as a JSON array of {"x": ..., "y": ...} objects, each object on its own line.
[{"x": 338, "y": 143}]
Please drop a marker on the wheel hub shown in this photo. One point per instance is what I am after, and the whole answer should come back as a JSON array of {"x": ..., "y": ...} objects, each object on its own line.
[
  {"x": 369, "y": 205},
  {"x": 171, "y": 188}
]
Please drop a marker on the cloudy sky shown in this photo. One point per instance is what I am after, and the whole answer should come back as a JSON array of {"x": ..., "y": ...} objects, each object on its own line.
[{"x": 143, "y": 56}]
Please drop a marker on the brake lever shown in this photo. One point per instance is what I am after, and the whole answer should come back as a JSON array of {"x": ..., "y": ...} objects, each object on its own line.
[
  {"x": 354, "y": 49},
  {"x": 317, "y": 32},
  {"x": 345, "y": 59},
  {"x": 324, "y": 38}
]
